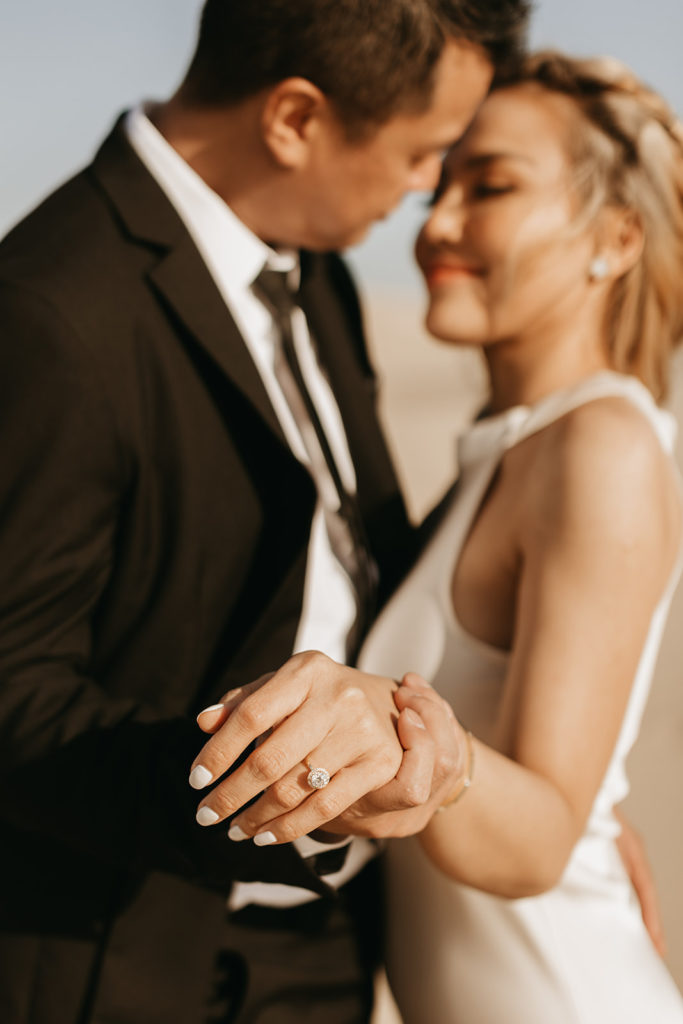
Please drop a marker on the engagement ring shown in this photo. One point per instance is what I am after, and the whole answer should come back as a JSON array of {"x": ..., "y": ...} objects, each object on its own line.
[{"x": 317, "y": 778}]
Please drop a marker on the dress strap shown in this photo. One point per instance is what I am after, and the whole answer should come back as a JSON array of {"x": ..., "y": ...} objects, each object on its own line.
[{"x": 606, "y": 384}]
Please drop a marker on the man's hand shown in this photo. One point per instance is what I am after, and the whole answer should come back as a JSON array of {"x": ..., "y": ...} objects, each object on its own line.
[
  {"x": 314, "y": 712},
  {"x": 634, "y": 856},
  {"x": 432, "y": 768}
]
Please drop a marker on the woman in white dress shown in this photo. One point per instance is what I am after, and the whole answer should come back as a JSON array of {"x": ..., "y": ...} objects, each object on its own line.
[{"x": 555, "y": 244}]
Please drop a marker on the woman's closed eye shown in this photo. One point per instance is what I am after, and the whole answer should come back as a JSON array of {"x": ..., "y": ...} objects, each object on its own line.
[
  {"x": 491, "y": 189},
  {"x": 478, "y": 191}
]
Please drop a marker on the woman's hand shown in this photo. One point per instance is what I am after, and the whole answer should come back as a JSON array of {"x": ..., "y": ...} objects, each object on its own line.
[
  {"x": 388, "y": 772},
  {"x": 313, "y": 712}
]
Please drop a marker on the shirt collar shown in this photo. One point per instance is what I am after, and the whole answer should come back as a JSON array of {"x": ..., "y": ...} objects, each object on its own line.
[{"x": 219, "y": 233}]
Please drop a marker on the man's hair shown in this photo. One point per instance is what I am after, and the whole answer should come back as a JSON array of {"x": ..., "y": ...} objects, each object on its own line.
[{"x": 371, "y": 58}]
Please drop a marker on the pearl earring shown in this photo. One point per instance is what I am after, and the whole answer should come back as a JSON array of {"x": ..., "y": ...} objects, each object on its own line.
[{"x": 598, "y": 269}]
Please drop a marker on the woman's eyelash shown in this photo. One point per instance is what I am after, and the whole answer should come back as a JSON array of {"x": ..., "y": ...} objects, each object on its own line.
[
  {"x": 483, "y": 190},
  {"x": 480, "y": 191}
]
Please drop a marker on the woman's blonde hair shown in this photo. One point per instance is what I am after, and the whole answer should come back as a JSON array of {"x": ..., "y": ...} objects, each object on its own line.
[{"x": 628, "y": 154}]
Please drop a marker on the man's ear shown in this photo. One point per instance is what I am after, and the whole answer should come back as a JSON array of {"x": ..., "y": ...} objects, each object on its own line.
[
  {"x": 290, "y": 120},
  {"x": 620, "y": 240}
]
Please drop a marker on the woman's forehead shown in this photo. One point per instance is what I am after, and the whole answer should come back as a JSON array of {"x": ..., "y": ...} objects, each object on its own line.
[{"x": 522, "y": 122}]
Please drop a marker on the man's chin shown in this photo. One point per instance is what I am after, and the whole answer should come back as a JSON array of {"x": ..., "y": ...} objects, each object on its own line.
[{"x": 340, "y": 242}]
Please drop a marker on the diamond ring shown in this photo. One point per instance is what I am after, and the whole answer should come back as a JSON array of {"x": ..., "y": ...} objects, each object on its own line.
[{"x": 317, "y": 778}]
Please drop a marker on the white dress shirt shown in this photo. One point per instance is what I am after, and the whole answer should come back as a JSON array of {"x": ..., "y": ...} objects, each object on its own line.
[{"x": 234, "y": 257}]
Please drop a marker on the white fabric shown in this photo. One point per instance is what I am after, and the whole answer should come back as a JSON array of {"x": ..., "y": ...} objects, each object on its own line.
[
  {"x": 234, "y": 256},
  {"x": 361, "y": 851},
  {"x": 580, "y": 953}
]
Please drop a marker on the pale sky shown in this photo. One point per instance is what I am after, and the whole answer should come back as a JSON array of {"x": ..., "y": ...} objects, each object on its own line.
[{"x": 68, "y": 67}]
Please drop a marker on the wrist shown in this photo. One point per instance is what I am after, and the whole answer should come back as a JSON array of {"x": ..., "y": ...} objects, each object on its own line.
[{"x": 464, "y": 780}]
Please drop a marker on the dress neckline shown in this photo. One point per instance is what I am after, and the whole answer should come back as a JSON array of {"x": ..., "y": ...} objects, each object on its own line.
[{"x": 502, "y": 430}]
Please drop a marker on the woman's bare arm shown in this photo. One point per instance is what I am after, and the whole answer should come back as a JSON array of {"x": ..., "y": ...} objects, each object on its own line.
[{"x": 598, "y": 540}]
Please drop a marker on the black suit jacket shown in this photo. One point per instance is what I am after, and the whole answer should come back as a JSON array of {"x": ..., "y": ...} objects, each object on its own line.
[{"x": 153, "y": 535}]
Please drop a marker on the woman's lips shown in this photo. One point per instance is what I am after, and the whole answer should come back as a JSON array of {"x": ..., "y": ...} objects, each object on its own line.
[{"x": 442, "y": 273}]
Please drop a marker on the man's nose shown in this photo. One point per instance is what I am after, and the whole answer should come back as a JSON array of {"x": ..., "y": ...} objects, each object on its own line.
[{"x": 426, "y": 175}]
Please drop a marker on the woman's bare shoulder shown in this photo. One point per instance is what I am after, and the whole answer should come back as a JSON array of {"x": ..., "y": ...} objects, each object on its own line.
[{"x": 602, "y": 467}]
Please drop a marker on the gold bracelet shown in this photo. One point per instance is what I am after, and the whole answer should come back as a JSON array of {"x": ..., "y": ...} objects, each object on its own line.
[{"x": 467, "y": 781}]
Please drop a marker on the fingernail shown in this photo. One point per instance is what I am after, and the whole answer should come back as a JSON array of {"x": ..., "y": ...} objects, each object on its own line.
[
  {"x": 265, "y": 839},
  {"x": 205, "y": 816},
  {"x": 237, "y": 834},
  {"x": 414, "y": 718},
  {"x": 212, "y": 707},
  {"x": 200, "y": 777}
]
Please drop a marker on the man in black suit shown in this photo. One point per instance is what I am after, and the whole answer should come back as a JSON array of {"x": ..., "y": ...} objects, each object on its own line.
[{"x": 168, "y": 529}]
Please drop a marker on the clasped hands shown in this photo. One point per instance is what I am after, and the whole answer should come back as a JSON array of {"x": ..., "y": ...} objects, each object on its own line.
[{"x": 394, "y": 754}]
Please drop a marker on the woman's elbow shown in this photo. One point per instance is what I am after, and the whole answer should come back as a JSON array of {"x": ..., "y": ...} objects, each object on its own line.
[{"x": 534, "y": 878}]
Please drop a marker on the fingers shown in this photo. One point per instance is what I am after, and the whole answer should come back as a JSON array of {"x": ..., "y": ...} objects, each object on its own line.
[
  {"x": 633, "y": 854},
  {"x": 310, "y": 700},
  {"x": 289, "y": 809},
  {"x": 212, "y": 718},
  {"x": 269, "y": 765},
  {"x": 287, "y": 791},
  {"x": 410, "y": 788},
  {"x": 450, "y": 749},
  {"x": 413, "y": 782},
  {"x": 282, "y": 796},
  {"x": 317, "y": 809},
  {"x": 416, "y": 682},
  {"x": 243, "y": 720}
]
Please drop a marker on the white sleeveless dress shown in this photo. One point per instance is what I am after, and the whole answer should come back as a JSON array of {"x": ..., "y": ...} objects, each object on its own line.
[{"x": 578, "y": 954}]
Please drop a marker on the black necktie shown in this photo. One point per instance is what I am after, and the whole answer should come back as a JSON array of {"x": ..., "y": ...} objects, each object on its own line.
[{"x": 345, "y": 527}]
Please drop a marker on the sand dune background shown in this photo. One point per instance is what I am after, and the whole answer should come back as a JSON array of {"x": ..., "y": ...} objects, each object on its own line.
[{"x": 428, "y": 393}]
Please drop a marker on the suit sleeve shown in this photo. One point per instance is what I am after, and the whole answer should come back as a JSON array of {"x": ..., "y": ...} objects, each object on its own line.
[{"x": 102, "y": 774}]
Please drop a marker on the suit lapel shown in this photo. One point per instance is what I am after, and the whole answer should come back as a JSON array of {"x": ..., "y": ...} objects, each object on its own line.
[
  {"x": 178, "y": 276},
  {"x": 186, "y": 286}
]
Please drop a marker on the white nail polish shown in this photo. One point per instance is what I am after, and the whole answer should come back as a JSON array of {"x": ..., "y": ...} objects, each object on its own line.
[
  {"x": 265, "y": 839},
  {"x": 200, "y": 777},
  {"x": 205, "y": 816},
  {"x": 212, "y": 707},
  {"x": 236, "y": 834}
]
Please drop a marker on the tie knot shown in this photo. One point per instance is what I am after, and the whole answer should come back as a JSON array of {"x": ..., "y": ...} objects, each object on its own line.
[{"x": 272, "y": 285}]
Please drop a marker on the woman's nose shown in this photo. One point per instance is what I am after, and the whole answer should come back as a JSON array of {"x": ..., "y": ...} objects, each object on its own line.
[{"x": 446, "y": 221}]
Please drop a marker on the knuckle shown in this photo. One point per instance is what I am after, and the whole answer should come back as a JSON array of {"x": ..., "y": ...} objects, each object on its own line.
[
  {"x": 354, "y": 696},
  {"x": 402, "y": 800},
  {"x": 287, "y": 831},
  {"x": 388, "y": 761},
  {"x": 267, "y": 762},
  {"x": 365, "y": 724},
  {"x": 219, "y": 803},
  {"x": 445, "y": 763},
  {"x": 285, "y": 793},
  {"x": 417, "y": 792},
  {"x": 310, "y": 660},
  {"x": 251, "y": 716},
  {"x": 329, "y": 806}
]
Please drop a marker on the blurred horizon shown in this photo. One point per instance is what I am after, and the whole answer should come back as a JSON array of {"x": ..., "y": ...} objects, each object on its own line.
[{"x": 68, "y": 69}]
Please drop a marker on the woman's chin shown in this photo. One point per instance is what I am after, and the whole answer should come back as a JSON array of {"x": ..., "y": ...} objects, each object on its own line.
[{"x": 449, "y": 334}]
